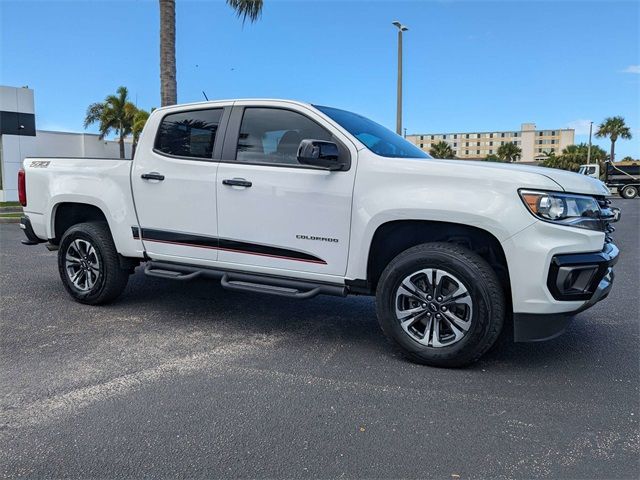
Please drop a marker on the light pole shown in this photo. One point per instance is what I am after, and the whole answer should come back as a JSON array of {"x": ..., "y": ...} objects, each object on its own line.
[
  {"x": 401, "y": 28},
  {"x": 589, "y": 149}
]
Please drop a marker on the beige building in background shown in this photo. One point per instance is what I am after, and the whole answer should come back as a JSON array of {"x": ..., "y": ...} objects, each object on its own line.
[{"x": 477, "y": 145}]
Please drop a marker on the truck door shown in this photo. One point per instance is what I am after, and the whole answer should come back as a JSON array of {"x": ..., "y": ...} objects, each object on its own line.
[
  {"x": 272, "y": 211},
  {"x": 174, "y": 185}
]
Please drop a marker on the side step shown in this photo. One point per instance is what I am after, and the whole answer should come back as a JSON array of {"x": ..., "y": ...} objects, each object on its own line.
[
  {"x": 246, "y": 282},
  {"x": 171, "y": 274}
]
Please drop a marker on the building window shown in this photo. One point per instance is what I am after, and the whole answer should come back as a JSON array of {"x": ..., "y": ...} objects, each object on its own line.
[
  {"x": 478, "y": 152},
  {"x": 491, "y": 144},
  {"x": 477, "y": 144},
  {"x": 491, "y": 135},
  {"x": 515, "y": 134},
  {"x": 421, "y": 137},
  {"x": 455, "y": 136},
  {"x": 466, "y": 136},
  {"x": 455, "y": 144},
  {"x": 433, "y": 137},
  {"x": 422, "y": 145},
  {"x": 466, "y": 152},
  {"x": 444, "y": 137},
  {"x": 490, "y": 151},
  {"x": 553, "y": 142},
  {"x": 540, "y": 134},
  {"x": 466, "y": 144},
  {"x": 553, "y": 133}
]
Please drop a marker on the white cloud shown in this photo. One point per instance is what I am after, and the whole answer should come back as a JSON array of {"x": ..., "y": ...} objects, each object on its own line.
[
  {"x": 581, "y": 126},
  {"x": 632, "y": 69}
]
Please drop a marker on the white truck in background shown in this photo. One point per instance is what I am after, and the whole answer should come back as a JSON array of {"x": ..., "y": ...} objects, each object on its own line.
[{"x": 293, "y": 199}]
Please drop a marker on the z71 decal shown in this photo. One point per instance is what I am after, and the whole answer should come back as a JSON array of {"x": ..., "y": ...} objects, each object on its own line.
[{"x": 39, "y": 164}]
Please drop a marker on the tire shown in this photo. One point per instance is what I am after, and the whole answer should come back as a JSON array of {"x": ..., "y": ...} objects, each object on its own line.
[
  {"x": 456, "y": 270},
  {"x": 87, "y": 251},
  {"x": 629, "y": 192}
]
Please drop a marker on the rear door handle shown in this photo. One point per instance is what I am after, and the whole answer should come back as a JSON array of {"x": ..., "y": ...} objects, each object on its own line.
[
  {"x": 236, "y": 182},
  {"x": 152, "y": 176}
]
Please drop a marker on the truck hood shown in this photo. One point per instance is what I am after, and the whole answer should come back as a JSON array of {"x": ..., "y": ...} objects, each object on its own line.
[{"x": 567, "y": 181}]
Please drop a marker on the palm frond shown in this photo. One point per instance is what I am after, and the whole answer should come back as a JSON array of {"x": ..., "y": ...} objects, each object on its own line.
[{"x": 247, "y": 9}]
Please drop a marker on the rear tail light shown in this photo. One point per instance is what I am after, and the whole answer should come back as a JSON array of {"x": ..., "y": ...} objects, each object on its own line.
[{"x": 22, "y": 188}]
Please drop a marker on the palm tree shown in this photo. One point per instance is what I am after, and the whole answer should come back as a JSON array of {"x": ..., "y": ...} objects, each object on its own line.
[
  {"x": 140, "y": 118},
  {"x": 442, "y": 150},
  {"x": 114, "y": 114},
  {"x": 509, "y": 152},
  {"x": 614, "y": 128},
  {"x": 247, "y": 9}
]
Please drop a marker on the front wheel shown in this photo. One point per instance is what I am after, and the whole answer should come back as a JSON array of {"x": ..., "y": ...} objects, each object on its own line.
[
  {"x": 629, "y": 192},
  {"x": 88, "y": 264},
  {"x": 441, "y": 303}
]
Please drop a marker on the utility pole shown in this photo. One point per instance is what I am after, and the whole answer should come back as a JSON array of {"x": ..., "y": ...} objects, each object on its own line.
[
  {"x": 405, "y": 133},
  {"x": 589, "y": 149},
  {"x": 401, "y": 28}
]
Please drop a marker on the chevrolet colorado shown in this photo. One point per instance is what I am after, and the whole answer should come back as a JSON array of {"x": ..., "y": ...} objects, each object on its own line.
[{"x": 293, "y": 199}]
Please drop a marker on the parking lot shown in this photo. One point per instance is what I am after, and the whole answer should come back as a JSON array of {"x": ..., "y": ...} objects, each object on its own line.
[{"x": 189, "y": 380}]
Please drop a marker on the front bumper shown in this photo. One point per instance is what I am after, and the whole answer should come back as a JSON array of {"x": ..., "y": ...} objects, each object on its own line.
[{"x": 585, "y": 276}]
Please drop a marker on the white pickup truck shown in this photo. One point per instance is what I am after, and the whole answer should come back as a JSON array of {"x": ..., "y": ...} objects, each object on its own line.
[{"x": 293, "y": 199}]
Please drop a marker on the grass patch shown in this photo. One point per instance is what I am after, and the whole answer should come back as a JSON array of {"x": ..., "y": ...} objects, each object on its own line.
[
  {"x": 10, "y": 204},
  {"x": 10, "y": 215}
]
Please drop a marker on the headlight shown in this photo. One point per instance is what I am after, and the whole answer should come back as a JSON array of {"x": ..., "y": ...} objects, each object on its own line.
[{"x": 579, "y": 211}]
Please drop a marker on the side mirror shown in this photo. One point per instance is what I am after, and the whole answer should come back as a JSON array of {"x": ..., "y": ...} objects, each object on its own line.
[{"x": 319, "y": 153}]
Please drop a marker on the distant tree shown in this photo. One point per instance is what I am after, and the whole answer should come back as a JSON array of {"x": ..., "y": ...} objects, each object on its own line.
[
  {"x": 492, "y": 158},
  {"x": 114, "y": 114},
  {"x": 575, "y": 155},
  {"x": 614, "y": 128},
  {"x": 509, "y": 152},
  {"x": 629, "y": 159},
  {"x": 442, "y": 150},
  {"x": 140, "y": 118}
]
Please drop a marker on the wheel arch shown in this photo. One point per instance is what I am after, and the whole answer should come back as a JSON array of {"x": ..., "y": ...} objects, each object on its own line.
[
  {"x": 394, "y": 237},
  {"x": 65, "y": 215}
]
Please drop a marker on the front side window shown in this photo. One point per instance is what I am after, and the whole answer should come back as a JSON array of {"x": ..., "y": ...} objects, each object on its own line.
[
  {"x": 375, "y": 137},
  {"x": 273, "y": 135},
  {"x": 189, "y": 134}
]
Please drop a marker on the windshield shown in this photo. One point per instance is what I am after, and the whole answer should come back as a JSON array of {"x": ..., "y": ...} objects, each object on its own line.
[{"x": 376, "y": 138}]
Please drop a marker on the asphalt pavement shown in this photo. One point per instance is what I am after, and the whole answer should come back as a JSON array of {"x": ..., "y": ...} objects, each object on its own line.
[{"x": 190, "y": 380}]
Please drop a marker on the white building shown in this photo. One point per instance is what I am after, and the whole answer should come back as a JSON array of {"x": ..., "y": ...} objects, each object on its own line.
[{"x": 19, "y": 139}]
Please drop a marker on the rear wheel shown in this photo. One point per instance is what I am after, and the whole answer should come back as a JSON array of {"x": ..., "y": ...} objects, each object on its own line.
[
  {"x": 441, "y": 303},
  {"x": 629, "y": 192},
  {"x": 89, "y": 265}
]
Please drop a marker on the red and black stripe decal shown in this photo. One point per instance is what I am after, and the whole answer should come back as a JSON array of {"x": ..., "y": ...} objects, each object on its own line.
[{"x": 216, "y": 243}]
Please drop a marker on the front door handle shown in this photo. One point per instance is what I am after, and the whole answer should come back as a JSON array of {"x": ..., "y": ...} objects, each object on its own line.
[
  {"x": 152, "y": 176},
  {"x": 236, "y": 182}
]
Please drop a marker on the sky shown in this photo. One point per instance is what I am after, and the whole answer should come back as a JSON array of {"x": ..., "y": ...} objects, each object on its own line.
[{"x": 468, "y": 65}]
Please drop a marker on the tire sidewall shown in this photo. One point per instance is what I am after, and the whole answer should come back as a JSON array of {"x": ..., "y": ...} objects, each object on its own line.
[
  {"x": 72, "y": 234},
  {"x": 633, "y": 192},
  {"x": 464, "y": 350}
]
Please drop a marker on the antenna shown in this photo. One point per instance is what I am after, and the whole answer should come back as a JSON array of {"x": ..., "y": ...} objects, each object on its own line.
[{"x": 205, "y": 96}]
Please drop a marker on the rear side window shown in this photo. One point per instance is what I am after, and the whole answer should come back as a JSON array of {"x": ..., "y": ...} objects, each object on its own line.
[
  {"x": 189, "y": 134},
  {"x": 273, "y": 135}
]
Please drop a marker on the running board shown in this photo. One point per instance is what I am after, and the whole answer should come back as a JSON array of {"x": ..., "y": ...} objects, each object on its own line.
[
  {"x": 246, "y": 282},
  {"x": 171, "y": 274}
]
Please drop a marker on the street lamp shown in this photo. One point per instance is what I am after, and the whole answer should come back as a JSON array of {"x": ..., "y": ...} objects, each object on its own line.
[
  {"x": 401, "y": 28},
  {"x": 589, "y": 149}
]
